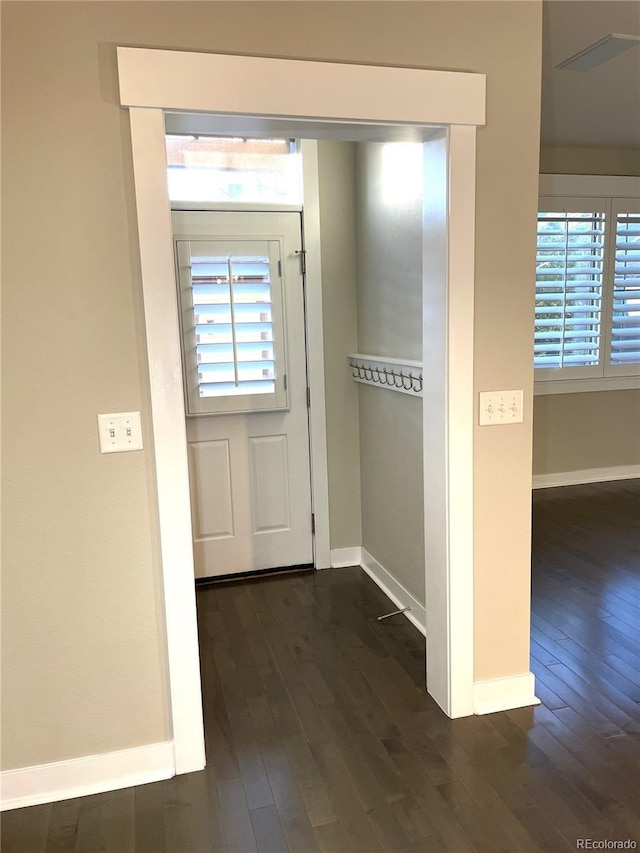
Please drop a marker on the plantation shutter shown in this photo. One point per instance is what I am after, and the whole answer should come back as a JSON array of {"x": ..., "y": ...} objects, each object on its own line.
[
  {"x": 625, "y": 322},
  {"x": 232, "y": 325},
  {"x": 569, "y": 287},
  {"x": 233, "y": 328}
]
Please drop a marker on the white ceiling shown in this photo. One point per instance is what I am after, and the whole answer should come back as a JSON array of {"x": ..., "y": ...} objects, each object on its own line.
[{"x": 598, "y": 108}]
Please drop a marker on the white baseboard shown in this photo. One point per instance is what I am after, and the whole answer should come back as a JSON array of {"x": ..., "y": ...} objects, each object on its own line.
[
  {"x": 589, "y": 475},
  {"x": 343, "y": 557},
  {"x": 92, "y": 774},
  {"x": 394, "y": 590},
  {"x": 503, "y": 694}
]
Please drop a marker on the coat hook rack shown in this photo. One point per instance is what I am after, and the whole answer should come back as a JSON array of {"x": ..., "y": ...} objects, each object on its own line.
[{"x": 393, "y": 374}]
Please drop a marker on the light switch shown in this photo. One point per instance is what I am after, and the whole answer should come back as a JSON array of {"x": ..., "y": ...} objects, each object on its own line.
[
  {"x": 120, "y": 431},
  {"x": 500, "y": 407}
]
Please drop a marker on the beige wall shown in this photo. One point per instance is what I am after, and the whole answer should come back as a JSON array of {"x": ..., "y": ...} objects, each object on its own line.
[
  {"x": 83, "y": 665},
  {"x": 83, "y": 668},
  {"x": 390, "y": 323},
  {"x": 589, "y": 161},
  {"x": 576, "y": 432},
  {"x": 336, "y": 168}
]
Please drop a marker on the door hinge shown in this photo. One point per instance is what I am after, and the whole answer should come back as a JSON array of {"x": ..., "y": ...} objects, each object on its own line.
[
  {"x": 313, "y": 522},
  {"x": 308, "y": 397},
  {"x": 303, "y": 260},
  {"x": 279, "y": 269}
]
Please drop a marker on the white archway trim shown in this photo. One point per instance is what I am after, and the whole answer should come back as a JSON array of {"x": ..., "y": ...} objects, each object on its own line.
[
  {"x": 448, "y": 317},
  {"x": 155, "y": 236},
  {"x": 155, "y": 80},
  {"x": 253, "y": 85}
]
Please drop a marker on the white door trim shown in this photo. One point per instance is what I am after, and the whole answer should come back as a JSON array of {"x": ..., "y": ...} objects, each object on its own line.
[
  {"x": 154, "y": 80},
  {"x": 315, "y": 352},
  {"x": 155, "y": 236},
  {"x": 447, "y": 338}
]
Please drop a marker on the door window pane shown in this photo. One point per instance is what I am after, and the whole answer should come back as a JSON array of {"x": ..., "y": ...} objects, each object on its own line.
[
  {"x": 232, "y": 317},
  {"x": 233, "y": 325}
]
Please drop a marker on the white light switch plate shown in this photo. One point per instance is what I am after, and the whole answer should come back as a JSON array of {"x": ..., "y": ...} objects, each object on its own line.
[
  {"x": 120, "y": 431},
  {"x": 500, "y": 407}
]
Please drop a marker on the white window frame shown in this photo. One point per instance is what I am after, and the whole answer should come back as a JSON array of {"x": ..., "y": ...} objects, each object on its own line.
[{"x": 612, "y": 195}]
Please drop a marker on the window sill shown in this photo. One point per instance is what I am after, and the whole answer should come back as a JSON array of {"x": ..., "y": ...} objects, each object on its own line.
[{"x": 579, "y": 386}]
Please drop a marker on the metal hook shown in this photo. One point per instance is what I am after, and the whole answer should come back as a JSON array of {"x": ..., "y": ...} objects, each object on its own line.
[{"x": 410, "y": 378}]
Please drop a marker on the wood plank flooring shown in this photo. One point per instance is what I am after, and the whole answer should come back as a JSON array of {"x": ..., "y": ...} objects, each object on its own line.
[{"x": 320, "y": 736}]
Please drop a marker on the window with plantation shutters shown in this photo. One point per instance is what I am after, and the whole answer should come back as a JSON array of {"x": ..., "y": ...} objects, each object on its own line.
[
  {"x": 587, "y": 307},
  {"x": 232, "y": 325},
  {"x": 625, "y": 320},
  {"x": 569, "y": 289}
]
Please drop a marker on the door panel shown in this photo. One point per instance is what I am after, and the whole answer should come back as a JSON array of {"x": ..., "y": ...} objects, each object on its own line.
[
  {"x": 249, "y": 469},
  {"x": 269, "y": 471},
  {"x": 212, "y": 501}
]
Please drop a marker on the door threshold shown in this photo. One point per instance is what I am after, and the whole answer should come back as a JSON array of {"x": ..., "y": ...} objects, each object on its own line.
[{"x": 254, "y": 575}]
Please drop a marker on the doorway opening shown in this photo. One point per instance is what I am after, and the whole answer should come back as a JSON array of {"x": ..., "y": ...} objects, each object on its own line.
[{"x": 440, "y": 109}]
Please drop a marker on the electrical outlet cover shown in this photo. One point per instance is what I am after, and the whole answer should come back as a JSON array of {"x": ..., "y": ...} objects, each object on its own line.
[
  {"x": 497, "y": 408},
  {"x": 120, "y": 431}
]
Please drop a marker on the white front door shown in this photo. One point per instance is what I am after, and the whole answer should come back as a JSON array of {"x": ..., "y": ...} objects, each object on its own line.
[{"x": 242, "y": 313}]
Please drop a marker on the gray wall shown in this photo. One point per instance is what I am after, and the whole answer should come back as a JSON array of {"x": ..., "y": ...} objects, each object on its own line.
[
  {"x": 336, "y": 166},
  {"x": 390, "y": 323},
  {"x": 576, "y": 432}
]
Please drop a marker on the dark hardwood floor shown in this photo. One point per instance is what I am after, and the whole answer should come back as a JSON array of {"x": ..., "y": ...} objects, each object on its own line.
[{"x": 320, "y": 736}]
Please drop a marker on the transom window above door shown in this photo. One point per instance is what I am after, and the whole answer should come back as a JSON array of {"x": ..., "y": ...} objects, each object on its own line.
[{"x": 233, "y": 170}]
